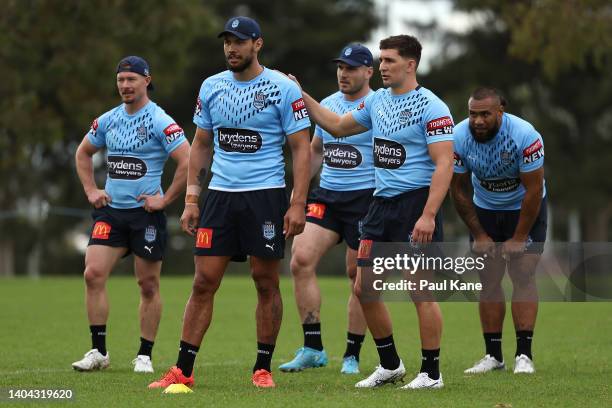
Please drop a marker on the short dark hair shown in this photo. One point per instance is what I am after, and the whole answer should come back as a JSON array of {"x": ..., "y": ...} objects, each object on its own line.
[
  {"x": 484, "y": 92},
  {"x": 407, "y": 46}
]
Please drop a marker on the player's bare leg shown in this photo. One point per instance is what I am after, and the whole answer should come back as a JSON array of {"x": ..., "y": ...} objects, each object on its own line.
[
  {"x": 306, "y": 252},
  {"x": 99, "y": 262},
  {"x": 524, "y": 308}
]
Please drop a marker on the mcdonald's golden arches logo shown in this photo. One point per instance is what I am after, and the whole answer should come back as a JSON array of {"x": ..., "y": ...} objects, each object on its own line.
[
  {"x": 204, "y": 238},
  {"x": 101, "y": 230}
]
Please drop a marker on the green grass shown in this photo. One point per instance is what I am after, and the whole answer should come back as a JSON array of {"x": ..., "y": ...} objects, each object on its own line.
[{"x": 43, "y": 328}]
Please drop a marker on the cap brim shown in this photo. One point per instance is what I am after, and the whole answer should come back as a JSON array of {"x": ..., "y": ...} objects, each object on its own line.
[
  {"x": 236, "y": 33},
  {"x": 349, "y": 62}
]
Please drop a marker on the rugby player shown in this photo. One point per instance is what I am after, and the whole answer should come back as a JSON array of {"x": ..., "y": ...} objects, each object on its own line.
[
  {"x": 413, "y": 158},
  {"x": 129, "y": 212},
  {"x": 504, "y": 155},
  {"x": 247, "y": 113},
  {"x": 335, "y": 211}
]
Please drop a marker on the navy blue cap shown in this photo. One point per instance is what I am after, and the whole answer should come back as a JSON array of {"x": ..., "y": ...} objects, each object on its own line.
[
  {"x": 355, "y": 55},
  {"x": 242, "y": 27},
  {"x": 135, "y": 64}
]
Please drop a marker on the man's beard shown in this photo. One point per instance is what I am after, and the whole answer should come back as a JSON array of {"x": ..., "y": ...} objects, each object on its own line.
[
  {"x": 247, "y": 61},
  {"x": 490, "y": 134}
]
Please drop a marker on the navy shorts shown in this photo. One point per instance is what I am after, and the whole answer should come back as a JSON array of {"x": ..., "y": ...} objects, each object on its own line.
[
  {"x": 243, "y": 223},
  {"x": 340, "y": 211},
  {"x": 392, "y": 219},
  {"x": 141, "y": 232},
  {"x": 500, "y": 226}
]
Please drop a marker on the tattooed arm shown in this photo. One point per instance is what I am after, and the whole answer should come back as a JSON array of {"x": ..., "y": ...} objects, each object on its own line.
[{"x": 199, "y": 161}]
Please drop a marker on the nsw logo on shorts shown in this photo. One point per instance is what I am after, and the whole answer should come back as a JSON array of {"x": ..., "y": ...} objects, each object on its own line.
[
  {"x": 269, "y": 232},
  {"x": 150, "y": 233}
]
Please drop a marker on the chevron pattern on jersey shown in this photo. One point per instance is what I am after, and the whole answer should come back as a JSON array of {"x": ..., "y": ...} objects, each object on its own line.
[
  {"x": 236, "y": 104},
  {"x": 493, "y": 160},
  {"x": 390, "y": 108},
  {"x": 133, "y": 132}
]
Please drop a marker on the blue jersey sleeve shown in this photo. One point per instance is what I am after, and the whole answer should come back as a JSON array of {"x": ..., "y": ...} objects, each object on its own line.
[
  {"x": 97, "y": 131},
  {"x": 362, "y": 113},
  {"x": 438, "y": 122},
  {"x": 460, "y": 164},
  {"x": 294, "y": 116},
  {"x": 201, "y": 116},
  {"x": 318, "y": 132},
  {"x": 169, "y": 133},
  {"x": 532, "y": 151}
]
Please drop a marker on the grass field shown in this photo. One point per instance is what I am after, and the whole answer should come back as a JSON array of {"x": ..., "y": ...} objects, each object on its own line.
[{"x": 43, "y": 328}]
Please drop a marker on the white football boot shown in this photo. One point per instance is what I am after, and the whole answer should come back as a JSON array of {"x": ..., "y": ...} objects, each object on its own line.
[
  {"x": 486, "y": 364},
  {"x": 142, "y": 364},
  {"x": 93, "y": 360},
  {"x": 523, "y": 365},
  {"x": 422, "y": 380},
  {"x": 382, "y": 376}
]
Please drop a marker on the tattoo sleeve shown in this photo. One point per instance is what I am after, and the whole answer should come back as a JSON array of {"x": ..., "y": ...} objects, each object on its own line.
[{"x": 464, "y": 205}]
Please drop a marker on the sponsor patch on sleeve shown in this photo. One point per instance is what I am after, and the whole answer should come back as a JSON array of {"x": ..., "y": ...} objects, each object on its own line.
[
  {"x": 440, "y": 126},
  {"x": 533, "y": 152},
  {"x": 299, "y": 109},
  {"x": 458, "y": 160},
  {"x": 94, "y": 127},
  {"x": 198, "y": 108},
  {"x": 173, "y": 132},
  {"x": 361, "y": 105}
]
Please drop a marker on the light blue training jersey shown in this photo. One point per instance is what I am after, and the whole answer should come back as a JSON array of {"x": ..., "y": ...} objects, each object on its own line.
[
  {"x": 402, "y": 127},
  {"x": 496, "y": 165},
  {"x": 348, "y": 163},
  {"x": 137, "y": 147},
  {"x": 250, "y": 122}
]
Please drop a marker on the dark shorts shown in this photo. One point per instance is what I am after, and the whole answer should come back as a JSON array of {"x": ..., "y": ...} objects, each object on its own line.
[
  {"x": 500, "y": 226},
  {"x": 392, "y": 220},
  {"x": 139, "y": 231},
  {"x": 340, "y": 211},
  {"x": 244, "y": 223}
]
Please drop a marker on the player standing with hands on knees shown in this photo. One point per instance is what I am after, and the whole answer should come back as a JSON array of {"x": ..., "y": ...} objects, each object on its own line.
[
  {"x": 128, "y": 217},
  {"x": 504, "y": 155}
]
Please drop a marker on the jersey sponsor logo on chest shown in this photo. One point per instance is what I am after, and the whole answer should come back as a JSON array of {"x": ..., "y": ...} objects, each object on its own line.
[
  {"x": 440, "y": 126},
  {"x": 341, "y": 156},
  {"x": 500, "y": 186},
  {"x": 126, "y": 168},
  {"x": 299, "y": 109},
  {"x": 534, "y": 152},
  {"x": 388, "y": 154},
  {"x": 239, "y": 140}
]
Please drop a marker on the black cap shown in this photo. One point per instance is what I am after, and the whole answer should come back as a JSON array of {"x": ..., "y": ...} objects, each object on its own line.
[
  {"x": 355, "y": 55},
  {"x": 135, "y": 64},
  {"x": 241, "y": 27}
]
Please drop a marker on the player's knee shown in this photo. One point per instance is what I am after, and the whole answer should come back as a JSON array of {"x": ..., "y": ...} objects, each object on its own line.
[
  {"x": 351, "y": 272},
  {"x": 149, "y": 287},
  {"x": 204, "y": 285},
  {"x": 94, "y": 277},
  {"x": 265, "y": 283},
  {"x": 301, "y": 264}
]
